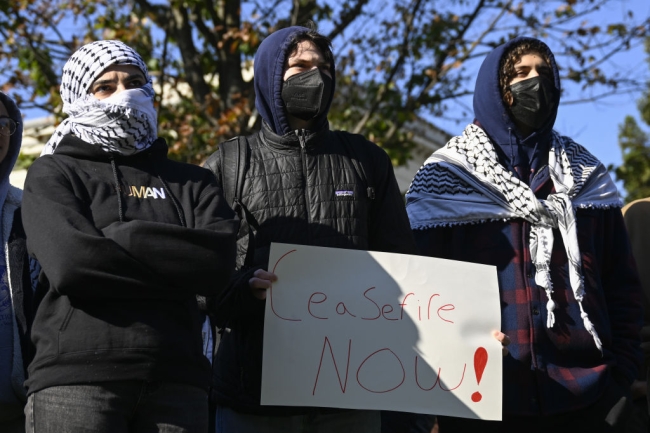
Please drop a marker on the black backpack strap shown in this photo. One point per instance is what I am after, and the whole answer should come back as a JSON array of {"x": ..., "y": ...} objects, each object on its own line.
[
  {"x": 234, "y": 161},
  {"x": 234, "y": 154},
  {"x": 358, "y": 166}
]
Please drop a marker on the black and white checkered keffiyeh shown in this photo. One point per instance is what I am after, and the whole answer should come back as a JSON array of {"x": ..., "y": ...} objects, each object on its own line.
[
  {"x": 464, "y": 183},
  {"x": 125, "y": 122}
]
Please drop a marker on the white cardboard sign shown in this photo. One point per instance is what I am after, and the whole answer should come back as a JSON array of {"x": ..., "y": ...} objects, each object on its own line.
[{"x": 368, "y": 330}]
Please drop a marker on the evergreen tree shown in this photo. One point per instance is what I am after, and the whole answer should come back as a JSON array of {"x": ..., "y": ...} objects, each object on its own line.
[{"x": 635, "y": 145}]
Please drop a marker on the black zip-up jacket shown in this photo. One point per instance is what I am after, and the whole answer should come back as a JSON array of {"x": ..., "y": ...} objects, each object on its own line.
[
  {"x": 125, "y": 244},
  {"x": 300, "y": 189}
]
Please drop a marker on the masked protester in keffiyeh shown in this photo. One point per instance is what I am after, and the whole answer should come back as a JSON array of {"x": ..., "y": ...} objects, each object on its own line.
[
  {"x": 127, "y": 239},
  {"x": 125, "y": 122},
  {"x": 513, "y": 193}
]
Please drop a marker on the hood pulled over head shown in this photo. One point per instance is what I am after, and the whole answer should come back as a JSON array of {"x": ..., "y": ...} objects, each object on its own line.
[
  {"x": 270, "y": 61},
  {"x": 15, "y": 140},
  {"x": 494, "y": 116}
]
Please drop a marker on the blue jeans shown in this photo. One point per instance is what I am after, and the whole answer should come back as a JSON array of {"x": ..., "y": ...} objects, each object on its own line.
[
  {"x": 317, "y": 421},
  {"x": 118, "y": 407}
]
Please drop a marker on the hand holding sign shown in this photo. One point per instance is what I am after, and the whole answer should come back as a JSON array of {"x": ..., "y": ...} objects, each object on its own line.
[{"x": 260, "y": 282}]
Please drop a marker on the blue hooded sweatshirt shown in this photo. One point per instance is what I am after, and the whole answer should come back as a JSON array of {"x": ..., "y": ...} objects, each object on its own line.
[
  {"x": 12, "y": 391},
  {"x": 492, "y": 115},
  {"x": 268, "y": 69}
]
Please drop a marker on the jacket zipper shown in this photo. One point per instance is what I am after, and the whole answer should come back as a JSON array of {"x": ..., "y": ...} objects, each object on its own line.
[{"x": 303, "y": 156}]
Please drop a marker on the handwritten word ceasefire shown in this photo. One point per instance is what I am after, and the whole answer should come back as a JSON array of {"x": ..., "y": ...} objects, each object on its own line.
[{"x": 319, "y": 306}]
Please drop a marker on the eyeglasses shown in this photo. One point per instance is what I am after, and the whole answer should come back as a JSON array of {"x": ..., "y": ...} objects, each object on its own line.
[{"x": 7, "y": 126}]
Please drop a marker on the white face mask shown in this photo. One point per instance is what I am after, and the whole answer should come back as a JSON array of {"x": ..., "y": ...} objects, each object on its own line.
[
  {"x": 125, "y": 122},
  {"x": 134, "y": 98}
]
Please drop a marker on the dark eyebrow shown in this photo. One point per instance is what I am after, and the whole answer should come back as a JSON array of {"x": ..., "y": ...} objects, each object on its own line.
[
  {"x": 298, "y": 62},
  {"x": 130, "y": 78},
  {"x": 135, "y": 77},
  {"x": 103, "y": 82}
]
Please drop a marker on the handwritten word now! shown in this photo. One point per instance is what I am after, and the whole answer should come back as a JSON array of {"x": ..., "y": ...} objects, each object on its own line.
[{"x": 397, "y": 371}]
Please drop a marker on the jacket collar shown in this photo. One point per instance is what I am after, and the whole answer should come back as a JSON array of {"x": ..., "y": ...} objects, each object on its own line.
[
  {"x": 293, "y": 140},
  {"x": 73, "y": 146}
]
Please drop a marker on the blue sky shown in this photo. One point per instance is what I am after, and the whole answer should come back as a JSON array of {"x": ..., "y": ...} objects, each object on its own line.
[{"x": 596, "y": 124}]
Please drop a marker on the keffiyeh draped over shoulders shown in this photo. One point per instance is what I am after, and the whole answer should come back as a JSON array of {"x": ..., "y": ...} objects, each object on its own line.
[
  {"x": 464, "y": 183},
  {"x": 124, "y": 123}
]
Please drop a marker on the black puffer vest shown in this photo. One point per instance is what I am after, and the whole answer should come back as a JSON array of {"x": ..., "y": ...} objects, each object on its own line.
[{"x": 306, "y": 189}]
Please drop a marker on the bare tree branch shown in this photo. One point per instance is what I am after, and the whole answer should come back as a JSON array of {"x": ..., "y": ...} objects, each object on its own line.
[
  {"x": 191, "y": 58},
  {"x": 600, "y": 96},
  {"x": 413, "y": 103},
  {"x": 266, "y": 12},
  {"x": 577, "y": 15},
  {"x": 211, "y": 37},
  {"x": 348, "y": 17},
  {"x": 440, "y": 65},
  {"x": 177, "y": 21},
  {"x": 294, "y": 12},
  {"x": 391, "y": 74},
  {"x": 636, "y": 33},
  {"x": 231, "y": 82},
  {"x": 163, "y": 68}
]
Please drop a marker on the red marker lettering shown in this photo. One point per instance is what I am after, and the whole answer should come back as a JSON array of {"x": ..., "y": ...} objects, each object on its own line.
[
  {"x": 387, "y": 309},
  {"x": 429, "y": 306},
  {"x": 403, "y": 304},
  {"x": 316, "y": 302},
  {"x": 271, "y": 291},
  {"x": 480, "y": 361},
  {"x": 386, "y": 390},
  {"x": 343, "y": 384},
  {"x": 365, "y": 295},
  {"x": 341, "y": 309},
  {"x": 438, "y": 377},
  {"x": 446, "y": 307}
]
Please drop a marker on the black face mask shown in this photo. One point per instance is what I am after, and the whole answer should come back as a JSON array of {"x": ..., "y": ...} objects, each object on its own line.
[
  {"x": 534, "y": 100},
  {"x": 307, "y": 94}
]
